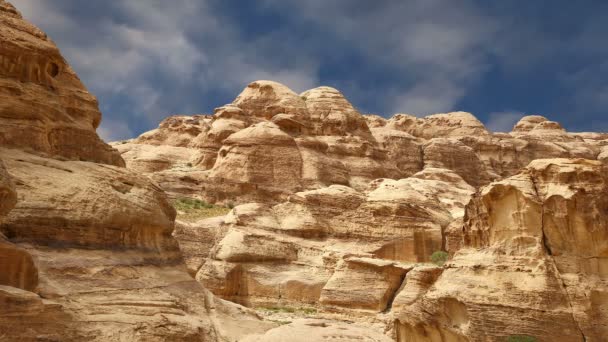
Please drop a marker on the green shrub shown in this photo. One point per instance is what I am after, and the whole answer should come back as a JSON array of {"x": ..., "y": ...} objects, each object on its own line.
[
  {"x": 439, "y": 258},
  {"x": 292, "y": 310},
  {"x": 521, "y": 338},
  {"x": 193, "y": 209}
]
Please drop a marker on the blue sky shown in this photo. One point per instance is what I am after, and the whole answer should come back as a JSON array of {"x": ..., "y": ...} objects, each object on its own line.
[{"x": 499, "y": 60}]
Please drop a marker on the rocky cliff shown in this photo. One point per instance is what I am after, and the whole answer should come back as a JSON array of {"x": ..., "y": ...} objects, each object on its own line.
[
  {"x": 341, "y": 226},
  {"x": 341, "y": 212},
  {"x": 86, "y": 252}
]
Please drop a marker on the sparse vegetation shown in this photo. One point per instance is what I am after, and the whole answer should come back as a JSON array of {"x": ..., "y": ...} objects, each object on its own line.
[
  {"x": 439, "y": 258},
  {"x": 285, "y": 309},
  {"x": 192, "y": 209},
  {"x": 521, "y": 338}
]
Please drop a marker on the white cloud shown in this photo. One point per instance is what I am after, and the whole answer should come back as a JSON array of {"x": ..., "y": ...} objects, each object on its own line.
[
  {"x": 158, "y": 58},
  {"x": 429, "y": 97},
  {"x": 440, "y": 49},
  {"x": 113, "y": 130},
  {"x": 503, "y": 121}
]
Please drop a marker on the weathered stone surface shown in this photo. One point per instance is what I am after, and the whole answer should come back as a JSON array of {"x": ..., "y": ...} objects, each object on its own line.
[
  {"x": 8, "y": 196},
  {"x": 17, "y": 268},
  {"x": 101, "y": 238},
  {"x": 43, "y": 104},
  {"x": 339, "y": 215},
  {"x": 306, "y": 330},
  {"x": 532, "y": 262},
  {"x": 177, "y": 130},
  {"x": 85, "y": 204},
  {"x": 363, "y": 283},
  {"x": 261, "y": 160},
  {"x": 270, "y": 143},
  {"x": 335, "y": 246},
  {"x": 86, "y": 254}
]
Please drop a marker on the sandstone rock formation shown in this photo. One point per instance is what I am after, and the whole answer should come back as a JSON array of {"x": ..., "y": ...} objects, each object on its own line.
[
  {"x": 43, "y": 104},
  {"x": 341, "y": 212},
  {"x": 322, "y": 246},
  {"x": 532, "y": 263},
  {"x": 339, "y": 233},
  {"x": 270, "y": 143},
  {"x": 86, "y": 252},
  {"x": 305, "y": 330}
]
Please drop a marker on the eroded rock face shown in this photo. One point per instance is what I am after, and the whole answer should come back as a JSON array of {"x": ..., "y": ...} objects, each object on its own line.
[
  {"x": 270, "y": 143},
  {"x": 532, "y": 262},
  {"x": 43, "y": 104},
  {"x": 329, "y": 246},
  {"x": 304, "y": 330},
  {"x": 86, "y": 253},
  {"x": 17, "y": 268},
  {"x": 177, "y": 130}
]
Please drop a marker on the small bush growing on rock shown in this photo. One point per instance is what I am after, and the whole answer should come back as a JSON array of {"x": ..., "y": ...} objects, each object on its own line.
[
  {"x": 521, "y": 338},
  {"x": 193, "y": 209},
  {"x": 439, "y": 258}
]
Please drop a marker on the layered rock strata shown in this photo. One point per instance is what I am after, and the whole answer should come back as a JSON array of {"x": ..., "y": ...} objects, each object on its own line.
[{"x": 86, "y": 252}]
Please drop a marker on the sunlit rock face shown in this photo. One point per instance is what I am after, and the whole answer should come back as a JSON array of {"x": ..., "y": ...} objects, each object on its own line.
[
  {"x": 86, "y": 246},
  {"x": 335, "y": 212},
  {"x": 43, "y": 104},
  {"x": 533, "y": 262},
  {"x": 342, "y": 212},
  {"x": 335, "y": 247}
]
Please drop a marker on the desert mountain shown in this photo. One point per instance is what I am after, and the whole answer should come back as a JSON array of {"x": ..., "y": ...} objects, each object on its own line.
[{"x": 326, "y": 224}]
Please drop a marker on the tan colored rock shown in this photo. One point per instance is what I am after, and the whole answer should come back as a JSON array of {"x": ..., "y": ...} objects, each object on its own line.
[
  {"x": 176, "y": 130},
  {"x": 43, "y": 104},
  {"x": 443, "y": 125},
  {"x": 332, "y": 114},
  {"x": 196, "y": 240},
  {"x": 102, "y": 243},
  {"x": 374, "y": 121},
  {"x": 334, "y": 246},
  {"x": 85, "y": 204},
  {"x": 305, "y": 330},
  {"x": 531, "y": 122},
  {"x": 452, "y": 154},
  {"x": 17, "y": 268},
  {"x": 266, "y": 99},
  {"x": 149, "y": 159},
  {"x": 363, "y": 283},
  {"x": 18, "y": 303},
  {"x": 87, "y": 251},
  {"x": 603, "y": 156},
  {"x": 8, "y": 196},
  {"x": 403, "y": 149},
  {"x": 261, "y": 160},
  {"x": 530, "y": 243}
]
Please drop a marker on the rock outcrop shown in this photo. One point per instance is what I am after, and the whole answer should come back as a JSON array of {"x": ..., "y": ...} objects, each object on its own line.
[
  {"x": 533, "y": 263},
  {"x": 270, "y": 143},
  {"x": 346, "y": 226},
  {"x": 341, "y": 212},
  {"x": 86, "y": 252},
  {"x": 327, "y": 247},
  {"x": 43, "y": 104}
]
